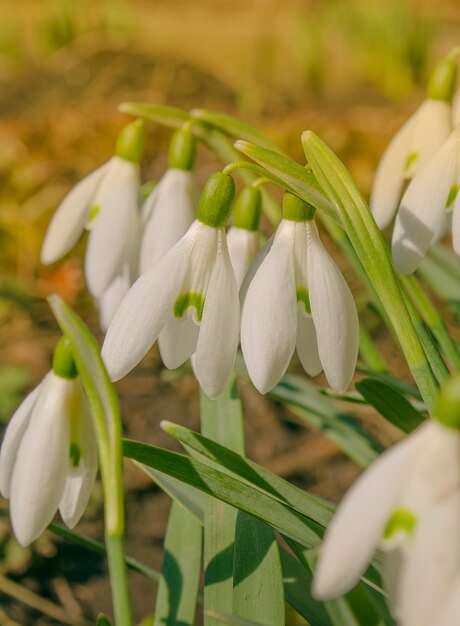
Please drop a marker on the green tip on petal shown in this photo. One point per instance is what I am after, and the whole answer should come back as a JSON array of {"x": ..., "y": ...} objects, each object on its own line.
[
  {"x": 447, "y": 409},
  {"x": 130, "y": 142},
  {"x": 402, "y": 520},
  {"x": 182, "y": 150},
  {"x": 189, "y": 299},
  {"x": 442, "y": 82},
  {"x": 216, "y": 200},
  {"x": 247, "y": 209},
  {"x": 297, "y": 210},
  {"x": 63, "y": 361}
]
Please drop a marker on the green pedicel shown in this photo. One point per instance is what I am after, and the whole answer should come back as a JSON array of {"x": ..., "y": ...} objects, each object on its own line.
[{"x": 442, "y": 82}]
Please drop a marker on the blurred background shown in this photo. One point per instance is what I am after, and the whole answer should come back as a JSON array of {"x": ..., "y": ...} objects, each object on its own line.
[{"x": 351, "y": 70}]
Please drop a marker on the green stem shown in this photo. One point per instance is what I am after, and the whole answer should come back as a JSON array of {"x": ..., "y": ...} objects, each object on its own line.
[
  {"x": 369, "y": 352},
  {"x": 118, "y": 580}
]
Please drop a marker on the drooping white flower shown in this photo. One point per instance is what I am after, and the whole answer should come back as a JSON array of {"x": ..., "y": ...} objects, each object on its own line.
[
  {"x": 408, "y": 504},
  {"x": 191, "y": 291},
  {"x": 243, "y": 237},
  {"x": 48, "y": 459},
  {"x": 169, "y": 210},
  {"x": 106, "y": 203},
  {"x": 414, "y": 143},
  {"x": 298, "y": 300},
  {"x": 427, "y": 206}
]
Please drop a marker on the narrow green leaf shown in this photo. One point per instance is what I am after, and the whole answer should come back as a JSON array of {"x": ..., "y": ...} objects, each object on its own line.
[
  {"x": 99, "y": 548},
  {"x": 258, "y": 593},
  {"x": 295, "y": 177},
  {"x": 233, "y": 127},
  {"x": 241, "y": 468},
  {"x": 343, "y": 429},
  {"x": 390, "y": 403},
  {"x": 180, "y": 574},
  {"x": 222, "y": 421},
  {"x": 165, "y": 115},
  {"x": 395, "y": 383},
  {"x": 231, "y": 620}
]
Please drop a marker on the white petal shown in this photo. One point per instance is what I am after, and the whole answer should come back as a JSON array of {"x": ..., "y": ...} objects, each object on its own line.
[
  {"x": 422, "y": 211},
  {"x": 432, "y": 127},
  {"x": 220, "y": 326},
  {"x": 392, "y": 570},
  {"x": 456, "y": 108},
  {"x": 334, "y": 314},
  {"x": 42, "y": 463},
  {"x": 390, "y": 175},
  {"x": 269, "y": 318},
  {"x": 177, "y": 341},
  {"x": 12, "y": 439},
  {"x": 432, "y": 562},
  {"x": 70, "y": 217},
  {"x": 357, "y": 527},
  {"x": 307, "y": 345},
  {"x": 80, "y": 482},
  {"x": 243, "y": 246},
  {"x": 254, "y": 268},
  {"x": 449, "y": 614},
  {"x": 112, "y": 297},
  {"x": 172, "y": 213},
  {"x": 114, "y": 226},
  {"x": 144, "y": 311},
  {"x": 456, "y": 225}
]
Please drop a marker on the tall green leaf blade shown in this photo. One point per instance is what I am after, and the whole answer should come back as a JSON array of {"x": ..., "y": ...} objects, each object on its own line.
[
  {"x": 222, "y": 421},
  {"x": 180, "y": 574},
  {"x": 258, "y": 592},
  {"x": 253, "y": 474},
  {"x": 391, "y": 404},
  {"x": 319, "y": 411},
  {"x": 166, "y": 115}
]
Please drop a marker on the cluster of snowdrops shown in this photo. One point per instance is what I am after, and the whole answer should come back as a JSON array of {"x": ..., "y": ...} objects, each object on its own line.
[{"x": 164, "y": 266}]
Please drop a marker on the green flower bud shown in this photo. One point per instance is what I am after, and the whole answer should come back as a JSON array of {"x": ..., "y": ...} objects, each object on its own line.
[
  {"x": 216, "y": 199},
  {"x": 63, "y": 361},
  {"x": 130, "y": 142},
  {"x": 447, "y": 409},
  {"x": 182, "y": 150},
  {"x": 442, "y": 81},
  {"x": 248, "y": 205},
  {"x": 297, "y": 210}
]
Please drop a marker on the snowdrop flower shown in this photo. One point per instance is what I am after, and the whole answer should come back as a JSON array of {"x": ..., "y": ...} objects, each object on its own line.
[
  {"x": 48, "y": 458},
  {"x": 414, "y": 143},
  {"x": 408, "y": 504},
  {"x": 107, "y": 204},
  {"x": 169, "y": 210},
  {"x": 298, "y": 299},
  {"x": 192, "y": 290},
  {"x": 429, "y": 201},
  {"x": 243, "y": 237}
]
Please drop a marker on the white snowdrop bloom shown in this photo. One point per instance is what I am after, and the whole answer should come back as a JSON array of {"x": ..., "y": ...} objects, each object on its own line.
[
  {"x": 170, "y": 209},
  {"x": 414, "y": 143},
  {"x": 298, "y": 299},
  {"x": 191, "y": 291},
  {"x": 456, "y": 109},
  {"x": 430, "y": 202},
  {"x": 408, "y": 504},
  {"x": 243, "y": 237},
  {"x": 48, "y": 459},
  {"x": 107, "y": 204}
]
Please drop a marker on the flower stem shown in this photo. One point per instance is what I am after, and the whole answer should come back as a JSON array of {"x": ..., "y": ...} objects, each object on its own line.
[{"x": 118, "y": 580}]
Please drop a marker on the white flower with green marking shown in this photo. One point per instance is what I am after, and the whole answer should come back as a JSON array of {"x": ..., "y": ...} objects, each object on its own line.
[
  {"x": 407, "y": 504},
  {"x": 429, "y": 206},
  {"x": 188, "y": 301},
  {"x": 48, "y": 459},
  {"x": 107, "y": 204},
  {"x": 298, "y": 300},
  {"x": 414, "y": 143}
]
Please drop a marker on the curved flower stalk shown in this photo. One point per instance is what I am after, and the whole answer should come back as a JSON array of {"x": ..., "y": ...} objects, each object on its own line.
[
  {"x": 243, "y": 237},
  {"x": 169, "y": 210},
  {"x": 414, "y": 143},
  {"x": 107, "y": 204},
  {"x": 48, "y": 459},
  {"x": 431, "y": 202},
  {"x": 298, "y": 300},
  {"x": 192, "y": 291},
  {"x": 408, "y": 504}
]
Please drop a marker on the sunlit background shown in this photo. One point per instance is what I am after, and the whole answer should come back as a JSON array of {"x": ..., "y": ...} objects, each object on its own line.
[{"x": 351, "y": 70}]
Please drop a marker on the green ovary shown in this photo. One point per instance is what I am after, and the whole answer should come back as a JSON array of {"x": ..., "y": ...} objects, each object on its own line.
[
  {"x": 402, "y": 520},
  {"x": 304, "y": 297},
  {"x": 187, "y": 300}
]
